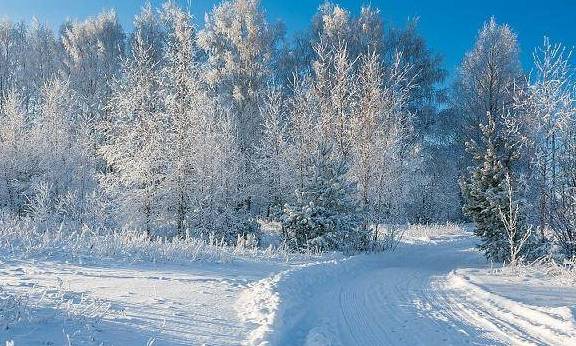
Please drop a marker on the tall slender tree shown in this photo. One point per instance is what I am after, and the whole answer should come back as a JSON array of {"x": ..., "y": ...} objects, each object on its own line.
[{"x": 136, "y": 143}]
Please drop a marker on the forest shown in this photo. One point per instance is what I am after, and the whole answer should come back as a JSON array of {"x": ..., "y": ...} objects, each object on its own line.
[{"x": 184, "y": 129}]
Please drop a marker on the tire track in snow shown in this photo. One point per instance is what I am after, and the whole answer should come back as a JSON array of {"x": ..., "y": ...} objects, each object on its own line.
[
  {"x": 513, "y": 320},
  {"x": 392, "y": 308},
  {"x": 390, "y": 301}
]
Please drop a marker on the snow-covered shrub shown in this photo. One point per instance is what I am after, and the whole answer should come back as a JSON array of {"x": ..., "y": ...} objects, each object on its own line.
[
  {"x": 563, "y": 224},
  {"x": 233, "y": 224},
  {"x": 24, "y": 238},
  {"x": 561, "y": 272},
  {"x": 39, "y": 205},
  {"x": 385, "y": 238}
]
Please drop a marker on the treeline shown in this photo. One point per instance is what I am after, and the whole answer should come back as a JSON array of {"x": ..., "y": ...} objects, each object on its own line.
[
  {"x": 176, "y": 129},
  {"x": 182, "y": 130}
]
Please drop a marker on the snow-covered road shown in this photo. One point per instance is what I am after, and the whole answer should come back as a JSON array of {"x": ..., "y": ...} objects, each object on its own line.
[
  {"x": 394, "y": 303},
  {"x": 435, "y": 289},
  {"x": 415, "y": 296}
]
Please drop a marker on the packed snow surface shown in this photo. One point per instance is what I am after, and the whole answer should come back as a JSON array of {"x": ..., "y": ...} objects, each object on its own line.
[
  {"x": 414, "y": 296},
  {"x": 434, "y": 289}
]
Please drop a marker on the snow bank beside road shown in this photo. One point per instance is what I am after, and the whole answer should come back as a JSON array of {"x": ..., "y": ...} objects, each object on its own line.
[
  {"x": 276, "y": 306},
  {"x": 160, "y": 303},
  {"x": 513, "y": 308}
]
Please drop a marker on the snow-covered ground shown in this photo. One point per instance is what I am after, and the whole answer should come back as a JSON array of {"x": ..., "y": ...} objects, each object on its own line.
[
  {"x": 171, "y": 304},
  {"x": 434, "y": 289}
]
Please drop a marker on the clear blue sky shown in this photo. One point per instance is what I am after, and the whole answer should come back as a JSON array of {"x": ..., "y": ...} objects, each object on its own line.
[{"x": 449, "y": 26}]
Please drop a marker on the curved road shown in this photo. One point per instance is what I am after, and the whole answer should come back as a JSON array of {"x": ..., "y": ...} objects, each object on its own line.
[{"x": 404, "y": 299}]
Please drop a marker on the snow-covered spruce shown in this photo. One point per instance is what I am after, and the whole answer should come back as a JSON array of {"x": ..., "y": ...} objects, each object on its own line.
[{"x": 326, "y": 215}]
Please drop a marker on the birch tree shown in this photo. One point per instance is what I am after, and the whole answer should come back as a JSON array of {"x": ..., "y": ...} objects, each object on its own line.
[
  {"x": 183, "y": 96},
  {"x": 18, "y": 164},
  {"x": 135, "y": 147},
  {"x": 486, "y": 78},
  {"x": 239, "y": 44},
  {"x": 548, "y": 111},
  {"x": 93, "y": 53}
]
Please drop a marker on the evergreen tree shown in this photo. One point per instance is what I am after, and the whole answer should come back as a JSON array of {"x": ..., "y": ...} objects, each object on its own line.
[
  {"x": 484, "y": 193},
  {"x": 326, "y": 215}
]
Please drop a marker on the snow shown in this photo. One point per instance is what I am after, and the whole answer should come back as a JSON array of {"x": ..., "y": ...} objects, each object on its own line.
[
  {"x": 434, "y": 289},
  {"x": 514, "y": 320},
  {"x": 416, "y": 295},
  {"x": 174, "y": 304}
]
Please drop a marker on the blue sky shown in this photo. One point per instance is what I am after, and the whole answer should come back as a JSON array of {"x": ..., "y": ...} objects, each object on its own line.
[{"x": 449, "y": 26}]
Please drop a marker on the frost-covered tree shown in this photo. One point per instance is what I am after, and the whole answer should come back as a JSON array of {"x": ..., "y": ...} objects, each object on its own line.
[
  {"x": 48, "y": 159},
  {"x": 44, "y": 58},
  {"x": 333, "y": 25},
  {"x": 516, "y": 232},
  {"x": 334, "y": 90},
  {"x": 484, "y": 101},
  {"x": 13, "y": 55},
  {"x": 360, "y": 108},
  {"x": 548, "y": 115},
  {"x": 547, "y": 108},
  {"x": 486, "y": 79},
  {"x": 424, "y": 72},
  {"x": 93, "y": 52},
  {"x": 378, "y": 132},
  {"x": 367, "y": 34},
  {"x": 197, "y": 131},
  {"x": 410, "y": 75},
  {"x": 239, "y": 44},
  {"x": 65, "y": 152},
  {"x": 273, "y": 155},
  {"x": 184, "y": 98},
  {"x": 321, "y": 107},
  {"x": 368, "y": 126},
  {"x": 150, "y": 32},
  {"x": 18, "y": 163},
  {"x": 136, "y": 140},
  {"x": 563, "y": 219},
  {"x": 29, "y": 57},
  {"x": 219, "y": 206},
  {"x": 53, "y": 130},
  {"x": 304, "y": 130},
  {"x": 439, "y": 197},
  {"x": 326, "y": 215}
]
